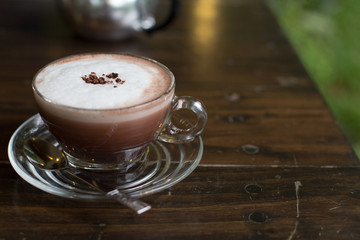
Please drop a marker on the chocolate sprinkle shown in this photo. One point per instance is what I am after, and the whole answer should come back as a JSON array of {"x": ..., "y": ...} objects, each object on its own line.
[
  {"x": 112, "y": 75},
  {"x": 94, "y": 79},
  {"x": 118, "y": 80}
]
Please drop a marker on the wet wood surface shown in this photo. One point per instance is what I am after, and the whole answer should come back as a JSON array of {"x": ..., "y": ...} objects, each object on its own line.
[{"x": 275, "y": 165}]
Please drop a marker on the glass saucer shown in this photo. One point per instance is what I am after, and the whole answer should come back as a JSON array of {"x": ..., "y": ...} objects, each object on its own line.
[{"x": 167, "y": 165}]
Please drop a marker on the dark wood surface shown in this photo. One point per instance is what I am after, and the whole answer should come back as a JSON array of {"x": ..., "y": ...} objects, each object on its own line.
[{"x": 275, "y": 166}]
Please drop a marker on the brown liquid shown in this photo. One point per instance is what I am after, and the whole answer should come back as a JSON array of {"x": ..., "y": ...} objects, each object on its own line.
[{"x": 104, "y": 137}]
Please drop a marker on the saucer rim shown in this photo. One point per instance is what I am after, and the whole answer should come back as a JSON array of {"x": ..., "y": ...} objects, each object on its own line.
[{"x": 57, "y": 191}]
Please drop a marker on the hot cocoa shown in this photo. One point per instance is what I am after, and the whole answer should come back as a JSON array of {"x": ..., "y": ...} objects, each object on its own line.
[{"x": 98, "y": 105}]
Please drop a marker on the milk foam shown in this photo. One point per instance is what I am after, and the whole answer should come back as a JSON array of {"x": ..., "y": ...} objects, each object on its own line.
[{"x": 62, "y": 82}]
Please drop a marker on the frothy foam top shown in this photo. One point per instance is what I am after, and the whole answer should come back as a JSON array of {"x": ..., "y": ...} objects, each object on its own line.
[{"x": 138, "y": 81}]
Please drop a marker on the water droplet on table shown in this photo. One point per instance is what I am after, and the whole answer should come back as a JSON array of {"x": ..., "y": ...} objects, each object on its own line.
[
  {"x": 253, "y": 188},
  {"x": 250, "y": 149},
  {"x": 258, "y": 217}
]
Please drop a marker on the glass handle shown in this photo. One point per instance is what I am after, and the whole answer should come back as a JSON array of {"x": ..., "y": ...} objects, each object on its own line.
[{"x": 187, "y": 119}]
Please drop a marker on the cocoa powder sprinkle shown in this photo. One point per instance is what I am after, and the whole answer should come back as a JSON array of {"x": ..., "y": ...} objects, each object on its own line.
[
  {"x": 112, "y": 75},
  {"x": 118, "y": 80},
  {"x": 94, "y": 79}
]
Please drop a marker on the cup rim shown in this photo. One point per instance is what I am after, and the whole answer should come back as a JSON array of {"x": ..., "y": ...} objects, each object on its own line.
[{"x": 144, "y": 104}]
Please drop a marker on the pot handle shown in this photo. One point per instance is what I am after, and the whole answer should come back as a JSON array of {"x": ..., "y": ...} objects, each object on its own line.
[{"x": 173, "y": 10}]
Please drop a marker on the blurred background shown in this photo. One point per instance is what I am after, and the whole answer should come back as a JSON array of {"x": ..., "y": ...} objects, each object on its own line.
[
  {"x": 326, "y": 37},
  {"x": 323, "y": 32}
]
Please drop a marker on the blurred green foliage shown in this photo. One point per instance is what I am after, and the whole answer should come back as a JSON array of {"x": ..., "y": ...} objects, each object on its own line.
[{"x": 326, "y": 35}]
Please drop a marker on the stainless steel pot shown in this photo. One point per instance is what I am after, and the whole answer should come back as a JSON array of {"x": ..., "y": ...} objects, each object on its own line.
[{"x": 113, "y": 19}]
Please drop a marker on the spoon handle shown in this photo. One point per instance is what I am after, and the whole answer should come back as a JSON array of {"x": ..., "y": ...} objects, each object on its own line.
[
  {"x": 137, "y": 205},
  {"x": 133, "y": 203}
]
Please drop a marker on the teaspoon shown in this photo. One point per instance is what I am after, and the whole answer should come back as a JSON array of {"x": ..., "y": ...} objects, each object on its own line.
[{"x": 44, "y": 155}]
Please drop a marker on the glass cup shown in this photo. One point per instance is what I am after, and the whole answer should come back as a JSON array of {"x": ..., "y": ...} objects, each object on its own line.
[{"x": 120, "y": 140}]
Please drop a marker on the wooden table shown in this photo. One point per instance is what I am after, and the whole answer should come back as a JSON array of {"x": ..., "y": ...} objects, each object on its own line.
[{"x": 275, "y": 165}]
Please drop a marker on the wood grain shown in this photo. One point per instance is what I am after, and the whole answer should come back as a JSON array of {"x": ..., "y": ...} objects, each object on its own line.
[
  {"x": 212, "y": 203},
  {"x": 269, "y": 130}
]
